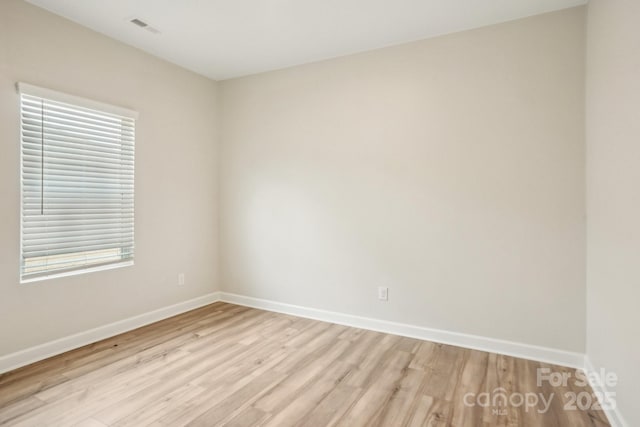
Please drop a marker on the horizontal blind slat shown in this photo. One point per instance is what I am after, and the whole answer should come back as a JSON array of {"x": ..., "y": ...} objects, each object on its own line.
[
  {"x": 81, "y": 162},
  {"x": 61, "y": 134},
  {"x": 76, "y": 110},
  {"x": 59, "y": 173},
  {"x": 53, "y": 242},
  {"x": 68, "y": 182},
  {"x": 90, "y": 166},
  {"x": 74, "y": 249},
  {"x": 77, "y": 217},
  {"x": 34, "y": 149},
  {"x": 35, "y": 136},
  {"x": 48, "y": 233},
  {"x": 59, "y": 262},
  {"x": 34, "y": 116}
]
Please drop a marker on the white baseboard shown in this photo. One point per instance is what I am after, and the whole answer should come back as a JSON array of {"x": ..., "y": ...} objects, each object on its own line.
[
  {"x": 509, "y": 348},
  {"x": 526, "y": 351},
  {"x": 613, "y": 414},
  {"x": 53, "y": 348}
]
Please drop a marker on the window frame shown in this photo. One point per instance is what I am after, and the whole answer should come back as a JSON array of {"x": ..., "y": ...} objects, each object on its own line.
[{"x": 80, "y": 103}]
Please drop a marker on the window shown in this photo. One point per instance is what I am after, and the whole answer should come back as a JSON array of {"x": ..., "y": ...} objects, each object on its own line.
[{"x": 76, "y": 185}]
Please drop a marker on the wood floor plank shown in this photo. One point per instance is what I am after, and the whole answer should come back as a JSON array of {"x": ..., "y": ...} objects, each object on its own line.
[
  {"x": 251, "y": 417},
  {"x": 226, "y": 365},
  {"x": 18, "y": 408},
  {"x": 332, "y": 407},
  {"x": 295, "y": 410},
  {"x": 89, "y": 422}
]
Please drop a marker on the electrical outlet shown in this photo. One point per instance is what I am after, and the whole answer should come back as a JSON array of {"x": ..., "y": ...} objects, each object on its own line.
[
  {"x": 181, "y": 279},
  {"x": 383, "y": 293}
]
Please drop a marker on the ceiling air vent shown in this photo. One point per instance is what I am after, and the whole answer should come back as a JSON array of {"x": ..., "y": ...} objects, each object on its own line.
[{"x": 140, "y": 23}]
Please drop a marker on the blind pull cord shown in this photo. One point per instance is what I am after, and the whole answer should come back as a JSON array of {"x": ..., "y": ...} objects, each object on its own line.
[{"x": 42, "y": 158}]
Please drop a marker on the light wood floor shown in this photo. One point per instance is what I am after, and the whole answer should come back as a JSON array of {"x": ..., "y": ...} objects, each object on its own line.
[{"x": 235, "y": 366}]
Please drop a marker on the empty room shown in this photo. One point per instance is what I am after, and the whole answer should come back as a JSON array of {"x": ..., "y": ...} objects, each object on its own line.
[{"x": 319, "y": 213}]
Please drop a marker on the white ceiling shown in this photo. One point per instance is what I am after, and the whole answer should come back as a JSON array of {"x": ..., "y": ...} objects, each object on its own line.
[{"x": 222, "y": 39}]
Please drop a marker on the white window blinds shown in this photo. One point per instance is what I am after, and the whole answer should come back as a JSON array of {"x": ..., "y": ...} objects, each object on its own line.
[{"x": 77, "y": 183}]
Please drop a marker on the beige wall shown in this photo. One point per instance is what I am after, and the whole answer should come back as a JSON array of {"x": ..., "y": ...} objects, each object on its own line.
[
  {"x": 450, "y": 170},
  {"x": 613, "y": 208},
  {"x": 176, "y": 177}
]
